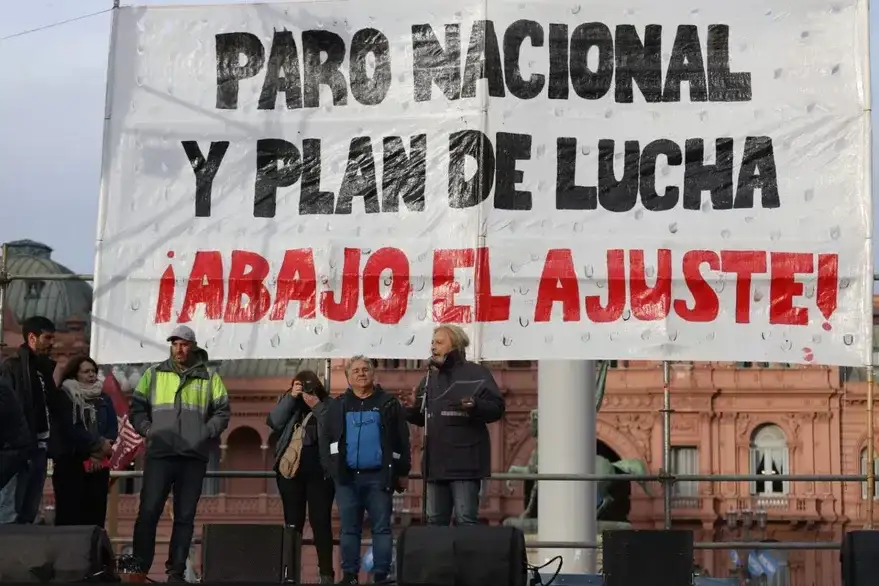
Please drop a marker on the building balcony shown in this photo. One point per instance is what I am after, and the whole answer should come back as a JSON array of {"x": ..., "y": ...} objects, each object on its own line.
[{"x": 706, "y": 508}]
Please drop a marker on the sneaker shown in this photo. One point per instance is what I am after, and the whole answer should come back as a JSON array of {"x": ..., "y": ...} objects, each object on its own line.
[
  {"x": 326, "y": 579},
  {"x": 348, "y": 579}
]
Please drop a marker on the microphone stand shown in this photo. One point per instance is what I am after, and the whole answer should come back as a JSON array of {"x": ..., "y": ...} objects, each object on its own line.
[{"x": 424, "y": 457}]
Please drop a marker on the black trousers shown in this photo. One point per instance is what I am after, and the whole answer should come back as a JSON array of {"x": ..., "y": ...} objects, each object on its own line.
[
  {"x": 316, "y": 493},
  {"x": 80, "y": 496},
  {"x": 11, "y": 463},
  {"x": 160, "y": 476}
]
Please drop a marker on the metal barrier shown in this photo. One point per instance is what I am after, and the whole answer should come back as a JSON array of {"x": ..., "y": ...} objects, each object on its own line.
[
  {"x": 667, "y": 479},
  {"x": 711, "y": 545}
]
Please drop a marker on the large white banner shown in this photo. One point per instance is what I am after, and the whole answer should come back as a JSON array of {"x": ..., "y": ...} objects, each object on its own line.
[{"x": 667, "y": 180}]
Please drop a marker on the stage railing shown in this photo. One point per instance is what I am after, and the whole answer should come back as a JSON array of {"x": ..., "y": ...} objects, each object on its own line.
[{"x": 667, "y": 479}]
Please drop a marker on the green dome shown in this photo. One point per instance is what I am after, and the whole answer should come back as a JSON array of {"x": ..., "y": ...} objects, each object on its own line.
[{"x": 56, "y": 300}]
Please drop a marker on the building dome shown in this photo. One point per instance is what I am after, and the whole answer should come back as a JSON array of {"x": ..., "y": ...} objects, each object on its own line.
[{"x": 59, "y": 301}]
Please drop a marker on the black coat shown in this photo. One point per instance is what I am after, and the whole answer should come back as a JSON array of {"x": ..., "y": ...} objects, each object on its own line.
[
  {"x": 458, "y": 442},
  {"x": 45, "y": 409},
  {"x": 16, "y": 440},
  {"x": 15, "y": 433}
]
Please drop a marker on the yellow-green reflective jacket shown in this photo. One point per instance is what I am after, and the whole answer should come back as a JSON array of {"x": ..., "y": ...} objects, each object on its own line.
[{"x": 180, "y": 414}]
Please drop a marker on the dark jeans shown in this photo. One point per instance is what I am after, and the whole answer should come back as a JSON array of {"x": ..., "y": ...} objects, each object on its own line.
[
  {"x": 80, "y": 496},
  {"x": 315, "y": 492},
  {"x": 365, "y": 493},
  {"x": 24, "y": 493},
  {"x": 453, "y": 498},
  {"x": 160, "y": 475}
]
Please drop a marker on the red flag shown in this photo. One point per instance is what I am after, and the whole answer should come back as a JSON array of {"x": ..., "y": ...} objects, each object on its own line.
[{"x": 129, "y": 444}]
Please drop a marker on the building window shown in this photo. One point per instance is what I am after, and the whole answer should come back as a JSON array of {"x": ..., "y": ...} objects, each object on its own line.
[
  {"x": 685, "y": 460},
  {"x": 863, "y": 469},
  {"x": 34, "y": 290},
  {"x": 519, "y": 363},
  {"x": 769, "y": 457}
]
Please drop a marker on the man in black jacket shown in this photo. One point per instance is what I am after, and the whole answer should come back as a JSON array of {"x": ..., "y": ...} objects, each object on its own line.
[
  {"x": 43, "y": 415},
  {"x": 459, "y": 398},
  {"x": 364, "y": 445},
  {"x": 14, "y": 436}
]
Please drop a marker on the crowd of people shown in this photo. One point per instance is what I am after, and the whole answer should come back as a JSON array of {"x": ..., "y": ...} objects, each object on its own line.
[{"x": 352, "y": 449}]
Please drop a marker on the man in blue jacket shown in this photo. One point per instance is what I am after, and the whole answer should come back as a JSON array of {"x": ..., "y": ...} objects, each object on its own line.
[{"x": 364, "y": 445}]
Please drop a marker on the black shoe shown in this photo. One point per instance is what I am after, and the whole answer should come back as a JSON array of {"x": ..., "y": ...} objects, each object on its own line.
[
  {"x": 326, "y": 579},
  {"x": 348, "y": 579},
  {"x": 175, "y": 578},
  {"x": 382, "y": 579}
]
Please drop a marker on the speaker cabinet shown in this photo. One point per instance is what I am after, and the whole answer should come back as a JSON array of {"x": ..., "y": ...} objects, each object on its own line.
[
  {"x": 44, "y": 553},
  {"x": 860, "y": 558},
  {"x": 473, "y": 555},
  {"x": 647, "y": 558},
  {"x": 251, "y": 553}
]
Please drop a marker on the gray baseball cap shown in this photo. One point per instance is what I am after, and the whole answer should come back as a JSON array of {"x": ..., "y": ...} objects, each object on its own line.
[{"x": 182, "y": 333}]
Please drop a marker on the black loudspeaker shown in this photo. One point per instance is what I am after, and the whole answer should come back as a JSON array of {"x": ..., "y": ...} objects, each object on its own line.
[
  {"x": 250, "y": 553},
  {"x": 860, "y": 558},
  {"x": 44, "y": 553},
  {"x": 472, "y": 555},
  {"x": 647, "y": 558}
]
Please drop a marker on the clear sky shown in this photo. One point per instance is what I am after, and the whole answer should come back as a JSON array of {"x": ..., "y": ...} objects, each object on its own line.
[{"x": 51, "y": 109}]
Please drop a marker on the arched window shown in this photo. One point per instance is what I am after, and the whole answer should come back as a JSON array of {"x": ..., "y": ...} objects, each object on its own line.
[
  {"x": 769, "y": 457},
  {"x": 863, "y": 470},
  {"x": 244, "y": 453}
]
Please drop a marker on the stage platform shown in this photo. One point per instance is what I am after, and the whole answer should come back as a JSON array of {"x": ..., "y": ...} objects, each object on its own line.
[{"x": 597, "y": 580}]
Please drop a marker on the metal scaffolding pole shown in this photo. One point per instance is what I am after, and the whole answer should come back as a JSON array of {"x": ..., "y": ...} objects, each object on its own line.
[
  {"x": 871, "y": 449},
  {"x": 668, "y": 480},
  {"x": 4, "y": 282}
]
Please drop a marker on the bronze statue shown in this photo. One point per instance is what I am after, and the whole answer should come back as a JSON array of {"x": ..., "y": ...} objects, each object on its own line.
[{"x": 609, "y": 514}]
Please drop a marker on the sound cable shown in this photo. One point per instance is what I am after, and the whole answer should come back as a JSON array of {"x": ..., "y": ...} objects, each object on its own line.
[{"x": 536, "y": 580}]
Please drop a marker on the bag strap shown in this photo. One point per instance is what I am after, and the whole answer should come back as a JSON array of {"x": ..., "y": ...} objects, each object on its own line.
[{"x": 301, "y": 424}]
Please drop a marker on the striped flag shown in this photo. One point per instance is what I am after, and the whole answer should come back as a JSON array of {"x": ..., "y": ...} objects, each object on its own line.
[{"x": 129, "y": 444}]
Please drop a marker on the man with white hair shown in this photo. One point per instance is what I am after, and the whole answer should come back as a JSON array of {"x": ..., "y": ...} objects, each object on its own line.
[
  {"x": 364, "y": 445},
  {"x": 457, "y": 399}
]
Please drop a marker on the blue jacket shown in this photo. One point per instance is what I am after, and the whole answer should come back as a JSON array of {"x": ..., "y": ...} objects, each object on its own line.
[{"x": 394, "y": 439}]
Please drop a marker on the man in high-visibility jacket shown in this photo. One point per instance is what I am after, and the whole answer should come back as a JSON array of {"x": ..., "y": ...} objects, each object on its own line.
[{"x": 180, "y": 408}]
